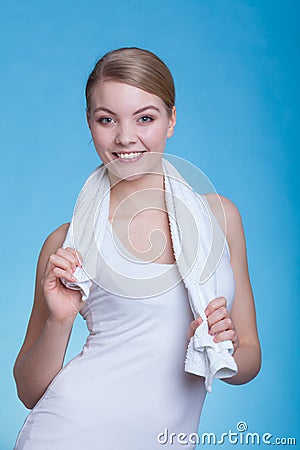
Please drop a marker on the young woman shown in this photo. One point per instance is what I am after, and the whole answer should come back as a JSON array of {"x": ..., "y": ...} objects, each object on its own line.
[{"x": 128, "y": 384}]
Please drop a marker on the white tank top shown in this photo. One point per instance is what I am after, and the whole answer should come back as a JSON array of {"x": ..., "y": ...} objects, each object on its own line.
[{"x": 128, "y": 385}]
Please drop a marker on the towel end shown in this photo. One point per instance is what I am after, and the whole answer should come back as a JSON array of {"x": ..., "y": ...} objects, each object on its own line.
[{"x": 83, "y": 284}]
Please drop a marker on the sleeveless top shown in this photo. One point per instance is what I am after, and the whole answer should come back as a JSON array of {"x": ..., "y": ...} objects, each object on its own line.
[{"x": 127, "y": 389}]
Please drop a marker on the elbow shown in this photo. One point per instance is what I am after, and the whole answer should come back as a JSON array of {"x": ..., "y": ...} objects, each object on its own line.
[
  {"x": 252, "y": 373},
  {"x": 23, "y": 396},
  {"x": 28, "y": 403},
  {"x": 252, "y": 369},
  {"x": 257, "y": 364},
  {"x": 22, "y": 392},
  {"x": 248, "y": 359},
  {"x": 256, "y": 361}
]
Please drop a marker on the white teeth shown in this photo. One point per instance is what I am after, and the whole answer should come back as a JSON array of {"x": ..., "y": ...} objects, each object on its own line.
[{"x": 128, "y": 155}]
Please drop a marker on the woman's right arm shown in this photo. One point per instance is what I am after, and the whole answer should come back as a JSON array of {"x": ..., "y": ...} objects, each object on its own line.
[{"x": 54, "y": 310}]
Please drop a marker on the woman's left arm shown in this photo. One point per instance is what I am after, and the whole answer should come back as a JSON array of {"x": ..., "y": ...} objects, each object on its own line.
[
  {"x": 238, "y": 325},
  {"x": 243, "y": 317}
]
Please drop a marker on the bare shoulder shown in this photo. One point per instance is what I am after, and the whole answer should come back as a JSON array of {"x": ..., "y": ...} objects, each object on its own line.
[
  {"x": 228, "y": 216},
  {"x": 230, "y": 209},
  {"x": 221, "y": 205},
  {"x": 57, "y": 237},
  {"x": 51, "y": 244}
]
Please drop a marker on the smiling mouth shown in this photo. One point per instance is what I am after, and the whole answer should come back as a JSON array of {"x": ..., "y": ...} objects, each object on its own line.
[{"x": 128, "y": 155}]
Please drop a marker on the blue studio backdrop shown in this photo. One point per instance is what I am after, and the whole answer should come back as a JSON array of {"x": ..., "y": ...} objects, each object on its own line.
[{"x": 236, "y": 70}]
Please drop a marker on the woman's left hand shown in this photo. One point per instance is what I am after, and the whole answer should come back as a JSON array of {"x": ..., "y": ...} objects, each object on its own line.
[{"x": 220, "y": 324}]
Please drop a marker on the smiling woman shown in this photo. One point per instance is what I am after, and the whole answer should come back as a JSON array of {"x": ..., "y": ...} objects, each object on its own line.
[
  {"x": 126, "y": 122},
  {"x": 129, "y": 383}
]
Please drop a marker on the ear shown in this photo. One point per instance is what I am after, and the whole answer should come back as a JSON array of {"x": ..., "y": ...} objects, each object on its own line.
[
  {"x": 88, "y": 119},
  {"x": 172, "y": 123}
]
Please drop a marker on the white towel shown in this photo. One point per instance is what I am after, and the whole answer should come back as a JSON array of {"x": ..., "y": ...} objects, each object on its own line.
[{"x": 198, "y": 243}]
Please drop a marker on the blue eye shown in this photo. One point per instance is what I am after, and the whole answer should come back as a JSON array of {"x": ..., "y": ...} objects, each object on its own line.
[
  {"x": 105, "y": 120},
  {"x": 146, "y": 119}
]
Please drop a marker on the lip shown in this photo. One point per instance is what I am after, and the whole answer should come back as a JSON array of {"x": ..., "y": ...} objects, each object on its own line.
[{"x": 124, "y": 160}]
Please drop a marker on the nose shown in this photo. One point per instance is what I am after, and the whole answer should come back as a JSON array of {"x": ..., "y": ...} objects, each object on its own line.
[{"x": 125, "y": 134}]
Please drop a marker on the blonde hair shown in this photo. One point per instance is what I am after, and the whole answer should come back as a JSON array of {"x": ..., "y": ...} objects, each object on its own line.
[{"x": 136, "y": 67}]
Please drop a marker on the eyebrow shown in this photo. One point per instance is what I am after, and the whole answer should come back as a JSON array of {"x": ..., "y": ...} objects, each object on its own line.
[{"x": 145, "y": 108}]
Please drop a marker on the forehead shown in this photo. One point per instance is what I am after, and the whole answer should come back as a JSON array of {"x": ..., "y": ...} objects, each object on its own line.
[{"x": 122, "y": 97}]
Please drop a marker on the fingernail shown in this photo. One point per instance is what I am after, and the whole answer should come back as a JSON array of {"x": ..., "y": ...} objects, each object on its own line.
[{"x": 206, "y": 312}]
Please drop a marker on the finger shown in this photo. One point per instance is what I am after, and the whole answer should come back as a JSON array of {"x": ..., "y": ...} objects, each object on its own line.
[
  {"x": 76, "y": 253},
  {"x": 230, "y": 335},
  {"x": 215, "y": 304},
  {"x": 61, "y": 262},
  {"x": 197, "y": 322},
  {"x": 71, "y": 255},
  {"x": 61, "y": 273},
  {"x": 193, "y": 326},
  {"x": 58, "y": 272},
  {"x": 79, "y": 257},
  {"x": 218, "y": 315},
  {"x": 221, "y": 325},
  {"x": 50, "y": 280}
]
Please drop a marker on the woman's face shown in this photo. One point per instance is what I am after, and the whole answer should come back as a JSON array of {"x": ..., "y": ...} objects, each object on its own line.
[{"x": 128, "y": 125}]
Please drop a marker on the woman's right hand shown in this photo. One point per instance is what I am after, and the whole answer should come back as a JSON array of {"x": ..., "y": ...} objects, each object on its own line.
[{"x": 63, "y": 303}]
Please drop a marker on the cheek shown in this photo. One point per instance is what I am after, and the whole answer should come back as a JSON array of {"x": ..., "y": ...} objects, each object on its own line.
[
  {"x": 101, "y": 137},
  {"x": 155, "y": 136}
]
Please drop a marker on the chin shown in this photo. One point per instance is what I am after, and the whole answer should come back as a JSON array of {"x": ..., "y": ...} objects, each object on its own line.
[{"x": 132, "y": 177}]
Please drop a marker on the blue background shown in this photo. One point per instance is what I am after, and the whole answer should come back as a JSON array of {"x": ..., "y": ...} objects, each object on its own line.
[{"x": 236, "y": 69}]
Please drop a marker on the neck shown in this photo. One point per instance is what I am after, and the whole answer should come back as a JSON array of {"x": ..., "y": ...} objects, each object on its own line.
[
  {"x": 123, "y": 188},
  {"x": 136, "y": 194}
]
